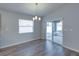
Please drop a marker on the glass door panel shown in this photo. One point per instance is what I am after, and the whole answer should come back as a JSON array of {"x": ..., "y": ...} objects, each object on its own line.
[{"x": 49, "y": 31}]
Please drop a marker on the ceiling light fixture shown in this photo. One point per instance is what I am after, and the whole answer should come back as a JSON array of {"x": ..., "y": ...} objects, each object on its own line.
[{"x": 36, "y": 17}]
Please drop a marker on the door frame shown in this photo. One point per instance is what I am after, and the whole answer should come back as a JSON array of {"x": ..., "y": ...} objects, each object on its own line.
[{"x": 52, "y": 27}]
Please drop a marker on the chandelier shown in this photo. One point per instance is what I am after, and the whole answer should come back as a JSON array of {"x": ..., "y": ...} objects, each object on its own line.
[{"x": 36, "y": 17}]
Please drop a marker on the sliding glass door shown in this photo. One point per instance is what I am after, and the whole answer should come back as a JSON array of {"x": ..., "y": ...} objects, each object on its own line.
[
  {"x": 54, "y": 31},
  {"x": 49, "y": 31},
  {"x": 58, "y": 32}
]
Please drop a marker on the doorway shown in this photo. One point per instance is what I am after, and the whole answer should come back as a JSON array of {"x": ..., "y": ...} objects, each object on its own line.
[
  {"x": 49, "y": 31},
  {"x": 58, "y": 32},
  {"x": 54, "y": 31}
]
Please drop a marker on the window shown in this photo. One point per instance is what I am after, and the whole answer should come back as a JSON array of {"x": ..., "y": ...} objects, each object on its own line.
[{"x": 25, "y": 26}]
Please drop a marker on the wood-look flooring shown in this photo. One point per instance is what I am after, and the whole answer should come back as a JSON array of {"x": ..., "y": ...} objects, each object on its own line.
[{"x": 37, "y": 48}]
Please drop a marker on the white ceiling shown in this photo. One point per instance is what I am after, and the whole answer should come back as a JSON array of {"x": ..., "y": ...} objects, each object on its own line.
[{"x": 41, "y": 9}]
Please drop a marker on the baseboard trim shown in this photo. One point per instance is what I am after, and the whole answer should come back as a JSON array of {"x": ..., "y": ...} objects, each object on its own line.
[
  {"x": 69, "y": 48},
  {"x": 38, "y": 39},
  {"x": 77, "y": 51},
  {"x": 6, "y": 46}
]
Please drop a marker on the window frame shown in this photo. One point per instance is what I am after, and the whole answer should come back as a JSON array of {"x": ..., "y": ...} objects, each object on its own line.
[{"x": 20, "y": 26}]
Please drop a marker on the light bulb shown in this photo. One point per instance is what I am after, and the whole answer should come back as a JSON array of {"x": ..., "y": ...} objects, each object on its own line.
[
  {"x": 39, "y": 18},
  {"x": 33, "y": 18},
  {"x": 36, "y": 17}
]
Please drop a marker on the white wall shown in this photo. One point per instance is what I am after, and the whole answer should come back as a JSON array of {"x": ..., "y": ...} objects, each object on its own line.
[
  {"x": 9, "y": 29},
  {"x": 69, "y": 13}
]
